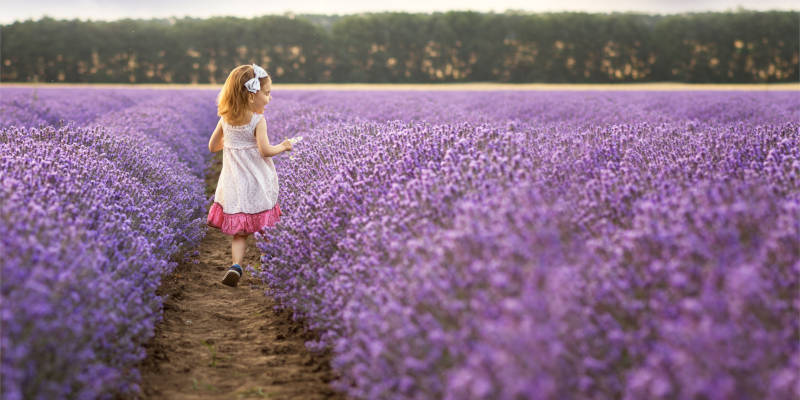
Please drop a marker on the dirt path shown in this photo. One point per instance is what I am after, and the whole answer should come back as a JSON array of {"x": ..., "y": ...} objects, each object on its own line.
[{"x": 219, "y": 342}]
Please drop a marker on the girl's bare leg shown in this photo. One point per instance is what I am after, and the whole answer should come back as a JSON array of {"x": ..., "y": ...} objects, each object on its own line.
[{"x": 238, "y": 247}]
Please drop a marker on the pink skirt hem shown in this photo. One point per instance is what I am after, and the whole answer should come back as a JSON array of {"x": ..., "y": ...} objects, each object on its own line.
[{"x": 242, "y": 223}]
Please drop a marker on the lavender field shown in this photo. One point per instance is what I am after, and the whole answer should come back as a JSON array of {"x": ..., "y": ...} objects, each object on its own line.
[
  {"x": 102, "y": 192},
  {"x": 456, "y": 245},
  {"x": 545, "y": 244}
]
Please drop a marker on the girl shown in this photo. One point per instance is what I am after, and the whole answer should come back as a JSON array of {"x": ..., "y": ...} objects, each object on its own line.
[{"x": 246, "y": 199}]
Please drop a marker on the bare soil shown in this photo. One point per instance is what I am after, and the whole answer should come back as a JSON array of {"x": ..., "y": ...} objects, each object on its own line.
[{"x": 221, "y": 342}]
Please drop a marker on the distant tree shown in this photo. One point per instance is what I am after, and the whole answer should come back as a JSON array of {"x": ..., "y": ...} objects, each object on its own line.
[{"x": 456, "y": 46}]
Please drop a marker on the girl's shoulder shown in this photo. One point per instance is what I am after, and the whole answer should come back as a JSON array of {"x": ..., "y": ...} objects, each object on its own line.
[
  {"x": 253, "y": 117},
  {"x": 257, "y": 118}
]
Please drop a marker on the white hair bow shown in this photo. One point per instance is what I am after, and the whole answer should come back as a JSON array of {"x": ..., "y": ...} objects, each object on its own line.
[{"x": 254, "y": 85}]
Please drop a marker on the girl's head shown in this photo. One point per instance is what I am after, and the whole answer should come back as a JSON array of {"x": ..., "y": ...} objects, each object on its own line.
[{"x": 237, "y": 96}]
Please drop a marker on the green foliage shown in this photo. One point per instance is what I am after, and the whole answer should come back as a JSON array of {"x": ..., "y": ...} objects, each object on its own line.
[{"x": 456, "y": 46}]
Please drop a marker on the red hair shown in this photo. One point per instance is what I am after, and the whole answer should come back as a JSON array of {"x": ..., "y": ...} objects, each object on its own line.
[{"x": 234, "y": 99}]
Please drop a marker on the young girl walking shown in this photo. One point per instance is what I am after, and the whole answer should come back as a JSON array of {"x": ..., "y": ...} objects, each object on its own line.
[{"x": 246, "y": 199}]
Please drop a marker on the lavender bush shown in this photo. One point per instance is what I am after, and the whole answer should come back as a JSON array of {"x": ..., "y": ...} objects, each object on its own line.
[
  {"x": 101, "y": 191},
  {"x": 544, "y": 244}
]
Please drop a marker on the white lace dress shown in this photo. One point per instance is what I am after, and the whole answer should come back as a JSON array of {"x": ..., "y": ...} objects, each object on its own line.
[{"x": 246, "y": 199}]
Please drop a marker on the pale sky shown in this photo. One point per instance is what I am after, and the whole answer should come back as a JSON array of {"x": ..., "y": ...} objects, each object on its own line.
[{"x": 117, "y": 9}]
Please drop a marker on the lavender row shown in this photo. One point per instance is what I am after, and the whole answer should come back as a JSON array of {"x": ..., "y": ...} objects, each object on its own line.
[
  {"x": 93, "y": 212},
  {"x": 579, "y": 108},
  {"x": 603, "y": 245},
  {"x": 32, "y": 107}
]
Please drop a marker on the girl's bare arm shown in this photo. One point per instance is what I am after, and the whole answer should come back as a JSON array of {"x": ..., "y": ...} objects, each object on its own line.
[
  {"x": 266, "y": 149},
  {"x": 215, "y": 143}
]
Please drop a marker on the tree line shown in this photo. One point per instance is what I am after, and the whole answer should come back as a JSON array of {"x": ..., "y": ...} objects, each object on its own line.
[{"x": 741, "y": 46}]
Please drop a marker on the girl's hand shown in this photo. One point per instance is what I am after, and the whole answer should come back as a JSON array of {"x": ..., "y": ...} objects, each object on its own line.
[{"x": 287, "y": 145}]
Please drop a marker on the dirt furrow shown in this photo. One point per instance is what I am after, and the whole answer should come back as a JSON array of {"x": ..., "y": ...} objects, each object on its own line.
[{"x": 219, "y": 342}]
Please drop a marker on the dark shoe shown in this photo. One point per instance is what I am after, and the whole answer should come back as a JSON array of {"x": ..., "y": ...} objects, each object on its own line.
[{"x": 232, "y": 275}]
